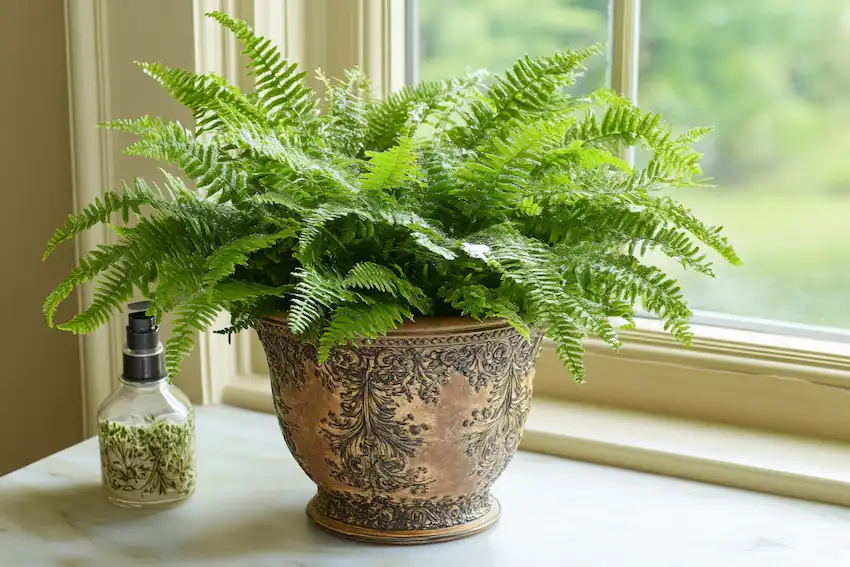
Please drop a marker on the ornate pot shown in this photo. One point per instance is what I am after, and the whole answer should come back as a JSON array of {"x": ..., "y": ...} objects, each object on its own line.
[{"x": 404, "y": 435}]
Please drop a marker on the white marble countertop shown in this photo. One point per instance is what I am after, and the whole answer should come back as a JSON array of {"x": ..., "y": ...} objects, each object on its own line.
[{"x": 249, "y": 510}]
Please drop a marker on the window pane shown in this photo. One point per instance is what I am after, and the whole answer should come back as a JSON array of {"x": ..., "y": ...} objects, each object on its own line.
[
  {"x": 492, "y": 34},
  {"x": 772, "y": 77}
]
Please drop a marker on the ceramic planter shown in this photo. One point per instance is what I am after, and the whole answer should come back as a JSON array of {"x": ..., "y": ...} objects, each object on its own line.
[{"x": 404, "y": 435}]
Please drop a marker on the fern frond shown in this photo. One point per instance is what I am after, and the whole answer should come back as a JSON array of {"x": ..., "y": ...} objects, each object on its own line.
[
  {"x": 524, "y": 90},
  {"x": 368, "y": 275},
  {"x": 101, "y": 210},
  {"x": 195, "y": 315},
  {"x": 638, "y": 228},
  {"x": 681, "y": 216},
  {"x": 481, "y": 302},
  {"x": 178, "y": 277},
  {"x": 358, "y": 322},
  {"x": 89, "y": 267},
  {"x": 198, "y": 313},
  {"x": 293, "y": 165},
  {"x": 315, "y": 294},
  {"x": 210, "y": 168},
  {"x": 214, "y": 102},
  {"x": 569, "y": 343},
  {"x": 313, "y": 224},
  {"x": 625, "y": 278},
  {"x": 224, "y": 260},
  {"x": 347, "y": 112},
  {"x": 280, "y": 88},
  {"x": 497, "y": 179},
  {"x": 625, "y": 125},
  {"x": 114, "y": 288},
  {"x": 391, "y": 168},
  {"x": 281, "y": 199},
  {"x": 387, "y": 120}
]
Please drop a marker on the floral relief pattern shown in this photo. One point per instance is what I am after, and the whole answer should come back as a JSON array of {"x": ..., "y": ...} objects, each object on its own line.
[
  {"x": 286, "y": 356},
  {"x": 508, "y": 404},
  {"x": 372, "y": 444},
  {"x": 387, "y": 393},
  {"x": 403, "y": 514}
]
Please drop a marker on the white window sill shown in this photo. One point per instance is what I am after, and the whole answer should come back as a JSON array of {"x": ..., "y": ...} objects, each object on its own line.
[
  {"x": 249, "y": 510},
  {"x": 786, "y": 465}
]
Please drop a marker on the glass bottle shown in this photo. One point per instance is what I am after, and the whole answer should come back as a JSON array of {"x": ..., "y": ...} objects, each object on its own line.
[{"x": 146, "y": 428}]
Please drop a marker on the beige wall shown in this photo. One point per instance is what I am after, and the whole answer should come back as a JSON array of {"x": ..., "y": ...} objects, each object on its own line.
[{"x": 40, "y": 398}]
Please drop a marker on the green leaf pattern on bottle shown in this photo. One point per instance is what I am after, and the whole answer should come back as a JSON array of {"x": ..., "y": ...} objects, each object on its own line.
[{"x": 150, "y": 460}]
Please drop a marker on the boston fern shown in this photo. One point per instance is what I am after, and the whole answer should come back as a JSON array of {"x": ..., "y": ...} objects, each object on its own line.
[{"x": 489, "y": 197}]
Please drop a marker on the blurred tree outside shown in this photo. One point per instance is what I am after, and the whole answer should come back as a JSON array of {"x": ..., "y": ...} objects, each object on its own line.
[{"x": 772, "y": 78}]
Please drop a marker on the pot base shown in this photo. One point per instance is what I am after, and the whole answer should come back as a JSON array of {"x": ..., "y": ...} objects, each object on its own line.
[{"x": 405, "y": 537}]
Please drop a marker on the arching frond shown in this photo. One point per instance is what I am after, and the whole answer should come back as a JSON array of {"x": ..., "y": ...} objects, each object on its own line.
[
  {"x": 207, "y": 165},
  {"x": 192, "y": 317},
  {"x": 89, "y": 267},
  {"x": 280, "y": 86},
  {"x": 315, "y": 294},
  {"x": 360, "y": 322},
  {"x": 224, "y": 260},
  {"x": 526, "y": 89},
  {"x": 368, "y": 275},
  {"x": 215, "y": 103},
  {"x": 391, "y": 168},
  {"x": 101, "y": 210}
]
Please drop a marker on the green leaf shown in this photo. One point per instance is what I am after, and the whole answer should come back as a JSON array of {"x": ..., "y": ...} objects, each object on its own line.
[
  {"x": 206, "y": 164},
  {"x": 224, "y": 260},
  {"x": 89, "y": 267},
  {"x": 101, "y": 210},
  {"x": 368, "y": 275},
  {"x": 279, "y": 85},
  {"x": 215, "y": 103},
  {"x": 391, "y": 168},
  {"x": 314, "y": 294},
  {"x": 359, "y": 322},
  {"x": 195, "y": 315}
]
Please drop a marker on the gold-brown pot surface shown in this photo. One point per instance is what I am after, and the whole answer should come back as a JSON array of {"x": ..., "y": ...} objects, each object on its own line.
[{"x": 405, "y": 434}]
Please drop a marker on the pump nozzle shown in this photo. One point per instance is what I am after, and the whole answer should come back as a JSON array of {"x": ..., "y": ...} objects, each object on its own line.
[{"x": 144, "y": 359}]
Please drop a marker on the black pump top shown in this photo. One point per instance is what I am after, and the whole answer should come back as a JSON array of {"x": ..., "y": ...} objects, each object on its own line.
[{"x": 144, "y": 358}]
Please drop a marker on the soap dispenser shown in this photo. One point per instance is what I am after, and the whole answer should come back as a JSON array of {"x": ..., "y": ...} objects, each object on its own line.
[{"x": 146, "y": 428}]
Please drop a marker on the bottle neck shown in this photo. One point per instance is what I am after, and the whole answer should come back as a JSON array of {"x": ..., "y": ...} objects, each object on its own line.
[{"x": 160, "y": 384}]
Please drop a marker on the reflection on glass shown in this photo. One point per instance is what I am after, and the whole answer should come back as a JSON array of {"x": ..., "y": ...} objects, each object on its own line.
[
  {"x": 492, "y": 34},
  {"x": 772, "y": 77}
]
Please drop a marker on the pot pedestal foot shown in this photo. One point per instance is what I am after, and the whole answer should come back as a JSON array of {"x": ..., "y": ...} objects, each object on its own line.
[{"x": 404, "y": 536}]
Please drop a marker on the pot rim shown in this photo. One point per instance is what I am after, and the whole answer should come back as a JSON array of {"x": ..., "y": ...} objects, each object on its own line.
[{"x": 431, "y": 325}]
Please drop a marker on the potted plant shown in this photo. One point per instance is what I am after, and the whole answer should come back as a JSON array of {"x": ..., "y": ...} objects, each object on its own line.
[{"x": 400, "y": 259}]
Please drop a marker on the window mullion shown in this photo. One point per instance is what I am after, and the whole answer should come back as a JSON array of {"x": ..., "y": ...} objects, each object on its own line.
[
  {"x": 625, "y": 23},
  {"x": 411, "y": 56},
  {"x": 623, "y": 72}
]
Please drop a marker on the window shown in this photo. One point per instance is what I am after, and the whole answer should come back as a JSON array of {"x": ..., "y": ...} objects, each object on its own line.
[
  {"x": 770, "y": 76},
  {"x": 454, "y": 36}
]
